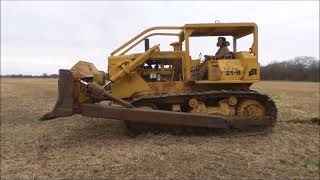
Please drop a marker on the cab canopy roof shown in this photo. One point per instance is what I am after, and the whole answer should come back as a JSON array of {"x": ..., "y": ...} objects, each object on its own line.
[
  {"x": 237, "y": 30},
  {"x": 220, "y": 29}
]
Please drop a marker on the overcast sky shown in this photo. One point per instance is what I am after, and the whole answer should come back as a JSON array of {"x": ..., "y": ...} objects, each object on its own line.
[{"x": 42, "y": 37}]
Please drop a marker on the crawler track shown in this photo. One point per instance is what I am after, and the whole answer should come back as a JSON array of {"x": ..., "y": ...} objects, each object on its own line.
[{"x": 161, "y": 100}]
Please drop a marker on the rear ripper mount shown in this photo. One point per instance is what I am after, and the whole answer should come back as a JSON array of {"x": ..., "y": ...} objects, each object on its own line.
[{"x": 67, "y": 105}]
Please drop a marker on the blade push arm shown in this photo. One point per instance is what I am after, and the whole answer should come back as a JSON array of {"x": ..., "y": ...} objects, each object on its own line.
[{"x": 131, "y": 66}]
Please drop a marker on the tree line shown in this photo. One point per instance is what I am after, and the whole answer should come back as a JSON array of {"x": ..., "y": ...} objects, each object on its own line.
[
  {"x": 44, "y": 75},
  {"x": 302, "y": 68}
]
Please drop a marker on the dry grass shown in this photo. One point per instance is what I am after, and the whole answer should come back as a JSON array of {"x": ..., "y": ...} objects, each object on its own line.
[{"x": 78, "y": 147}]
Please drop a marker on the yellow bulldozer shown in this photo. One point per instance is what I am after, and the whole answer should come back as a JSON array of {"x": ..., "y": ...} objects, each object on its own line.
[{"x": 170, "y": 88}]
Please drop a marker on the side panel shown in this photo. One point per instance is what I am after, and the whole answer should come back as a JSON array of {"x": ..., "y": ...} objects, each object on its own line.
[
  {"x": 250, "y": 65},
  {"x": 129, "y": 85},
  {"x": 225, "y": 70},
  {"x": 244, "y": 69}
]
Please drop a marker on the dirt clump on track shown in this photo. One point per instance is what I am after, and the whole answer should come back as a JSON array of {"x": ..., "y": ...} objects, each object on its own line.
[{"x": 80, "y": 147}]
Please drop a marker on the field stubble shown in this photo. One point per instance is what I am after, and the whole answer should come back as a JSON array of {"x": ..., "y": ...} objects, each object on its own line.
[{"x": 79, "y": 147}]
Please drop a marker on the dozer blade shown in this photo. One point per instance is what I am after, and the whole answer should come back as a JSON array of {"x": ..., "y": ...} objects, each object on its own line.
[{"x": 65, "y": 103}]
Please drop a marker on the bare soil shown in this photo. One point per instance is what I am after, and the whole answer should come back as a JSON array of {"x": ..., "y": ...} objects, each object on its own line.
[{"x": 83, "y": 148}]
